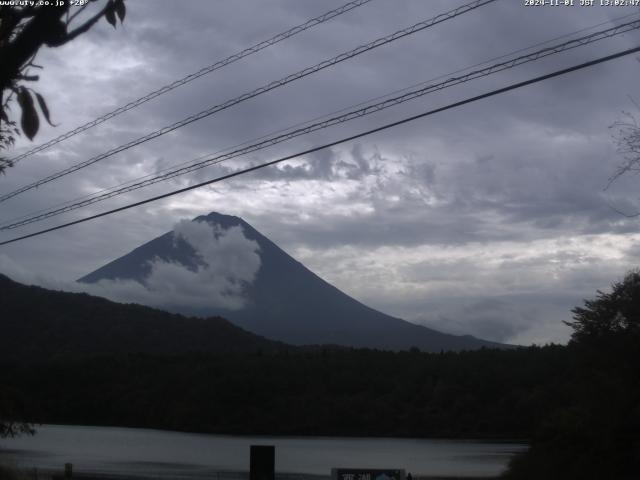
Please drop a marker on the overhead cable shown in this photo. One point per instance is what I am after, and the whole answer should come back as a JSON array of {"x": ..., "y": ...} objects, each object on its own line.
[
  {"x": 314, "y": 119},
  {"x": 266, "y": 88},
  {"x": 492, "y": 93},
  {"x": 189, "y": 78},
  {"x": 367, "y": 110}
]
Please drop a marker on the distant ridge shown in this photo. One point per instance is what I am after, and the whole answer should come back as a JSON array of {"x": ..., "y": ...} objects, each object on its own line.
[
  {"x": 39, "y": 324},
  {"x": 289, "y": 303}
]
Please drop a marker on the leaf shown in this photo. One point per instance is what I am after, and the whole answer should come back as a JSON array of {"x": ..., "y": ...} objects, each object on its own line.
[
  {"x": 110, "y": 14},
  {"x": 29, "y": 119},
  {"x": 121, "y": 10},
  {"x": 43, "y": 107},
  {"x": 56, "y": 34}
]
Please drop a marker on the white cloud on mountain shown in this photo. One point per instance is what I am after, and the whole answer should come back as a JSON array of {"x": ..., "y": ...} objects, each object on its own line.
[{"x": 227, "y": 263}]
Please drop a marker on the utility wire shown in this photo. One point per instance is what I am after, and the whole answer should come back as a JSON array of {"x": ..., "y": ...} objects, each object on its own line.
[
  {"x": 189, "y": 78},
  {"x": 411, "y": 95},
  {"x": 492, "y": 93},
  {"x": 266, "y": 88},
  {"x": 306, "y": 122},
  {"x": 326, "y": 115}
]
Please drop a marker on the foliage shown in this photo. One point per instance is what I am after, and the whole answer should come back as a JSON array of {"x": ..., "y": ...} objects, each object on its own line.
[
  {"x": 598, "y": 435},
  {"x": 24, "y": 29},
  {"x": 40, "y": 325},
  {"x": 303, "y": 391},
  {"x": 610, "y": 314},
  {"x": 83, "y": 359},
  {"x": 578, "y": 404}
]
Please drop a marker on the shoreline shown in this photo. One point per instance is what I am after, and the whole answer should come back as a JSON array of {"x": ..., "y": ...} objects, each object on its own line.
[
  {"x": 58, "y": 474},
  {"x": 117, "y": 453},
  {"x": 232, "y": 475},
  {"x": 486, "y": 439}
]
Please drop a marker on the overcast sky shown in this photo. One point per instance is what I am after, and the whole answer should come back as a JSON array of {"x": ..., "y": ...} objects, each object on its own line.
[{"x": 490, "y": 219}]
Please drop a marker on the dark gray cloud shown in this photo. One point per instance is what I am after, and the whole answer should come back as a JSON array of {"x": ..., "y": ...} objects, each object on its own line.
[{"x": 434, "y": 221}]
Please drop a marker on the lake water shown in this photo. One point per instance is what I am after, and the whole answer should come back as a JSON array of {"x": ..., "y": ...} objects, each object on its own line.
[{"x": 163, "y": 454}]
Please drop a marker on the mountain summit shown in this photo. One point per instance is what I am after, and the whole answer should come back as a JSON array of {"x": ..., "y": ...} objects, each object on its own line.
[{"x": 283, "y": 300}]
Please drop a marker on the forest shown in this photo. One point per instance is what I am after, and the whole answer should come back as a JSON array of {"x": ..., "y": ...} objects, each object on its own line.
[
  {"x": 487, "y": 393},
  {"x": 577, "y": 405}
]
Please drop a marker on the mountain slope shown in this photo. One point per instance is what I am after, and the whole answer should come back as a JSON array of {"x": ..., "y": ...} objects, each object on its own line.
[
  {"x": 40, "y": 324},
  {"x": 288, "y": 302}
]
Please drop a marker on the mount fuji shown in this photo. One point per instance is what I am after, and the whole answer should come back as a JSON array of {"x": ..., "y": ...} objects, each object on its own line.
[{"x": 277, "y": 297}]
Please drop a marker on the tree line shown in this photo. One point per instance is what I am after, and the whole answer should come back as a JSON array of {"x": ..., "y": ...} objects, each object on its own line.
[{"x": 578, "y": 405}]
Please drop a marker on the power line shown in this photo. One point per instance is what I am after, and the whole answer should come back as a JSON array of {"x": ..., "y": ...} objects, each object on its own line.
[
  {"x": 306, "y": 122},
  {"x": 411, "y": 95},
  {"x": 266, "y": 88},
  {"x": 332, "y": 121},
  {"x": 203, "y": 71},
  {"x": 326, "y": 115},
  {"x": 337, "y": 142}
]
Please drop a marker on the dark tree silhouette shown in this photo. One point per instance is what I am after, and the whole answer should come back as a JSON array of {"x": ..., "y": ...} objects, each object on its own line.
[
  {"x": 23, "y": 31},
  {"x": 609, "y": 314},
  {"x": 594, "y": 432}
]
